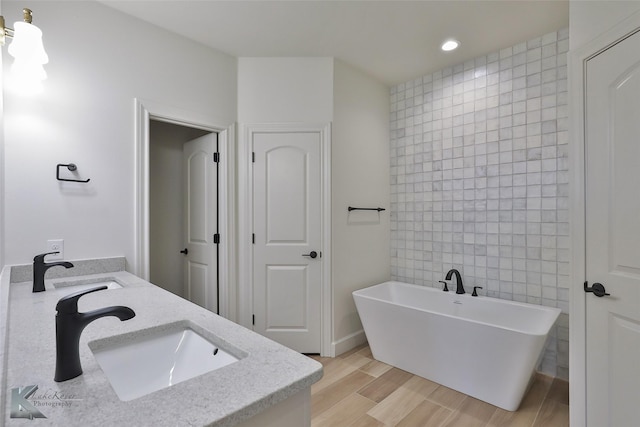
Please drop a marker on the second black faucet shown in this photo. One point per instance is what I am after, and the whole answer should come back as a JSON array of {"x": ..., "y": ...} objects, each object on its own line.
[{"x": 40, "y": 268}]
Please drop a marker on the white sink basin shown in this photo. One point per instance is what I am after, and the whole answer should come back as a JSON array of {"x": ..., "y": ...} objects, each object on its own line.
[
  {"x": 141, "y": 366},
  {"x": 71, "y": 287}
]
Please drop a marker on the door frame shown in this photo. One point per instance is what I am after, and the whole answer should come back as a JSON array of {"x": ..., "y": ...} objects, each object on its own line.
[
  {"x": 245, "y": 229},
  {"x": 577, "y": 298},
  {"x": 145, "y": 111}
]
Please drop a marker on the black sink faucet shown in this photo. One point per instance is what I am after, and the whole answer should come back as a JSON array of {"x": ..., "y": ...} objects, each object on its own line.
[
  {"x": 40, "y": 268},
  {"x": 459, "y": 286},
  {"x": 70, "y": 324}
]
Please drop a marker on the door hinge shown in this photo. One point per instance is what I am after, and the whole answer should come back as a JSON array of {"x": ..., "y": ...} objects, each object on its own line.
[
  {"x": 216, "y": 157},
  {"x": 253, "y": 157},
  {"x": 216, "y": 238},
  {"x": 253, "y": 319},
  {"x": 253, "y": 238}
]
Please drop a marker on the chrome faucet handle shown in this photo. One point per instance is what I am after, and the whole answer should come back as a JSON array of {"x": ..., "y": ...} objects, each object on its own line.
[
  {"x": 445, "y": 289},
  {"x": 69, "y": 303}
]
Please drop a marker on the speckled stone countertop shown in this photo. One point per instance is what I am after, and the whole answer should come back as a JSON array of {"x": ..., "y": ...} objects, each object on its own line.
[{"x": 268, "y": 375}]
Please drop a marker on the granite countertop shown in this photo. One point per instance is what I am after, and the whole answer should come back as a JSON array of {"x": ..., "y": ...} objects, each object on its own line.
[{"x": 269, "y": 374}]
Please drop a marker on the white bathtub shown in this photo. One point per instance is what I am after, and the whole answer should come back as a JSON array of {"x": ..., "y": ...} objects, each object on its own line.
[{"x": 484, "y": 347}]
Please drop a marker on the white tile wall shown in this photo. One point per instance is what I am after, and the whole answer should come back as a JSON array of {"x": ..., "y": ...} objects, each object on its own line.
[{"x": 479, "y": 179}]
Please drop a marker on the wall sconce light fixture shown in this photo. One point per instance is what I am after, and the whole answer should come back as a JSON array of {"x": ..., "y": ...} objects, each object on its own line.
[{"x": 28, "y": 52}]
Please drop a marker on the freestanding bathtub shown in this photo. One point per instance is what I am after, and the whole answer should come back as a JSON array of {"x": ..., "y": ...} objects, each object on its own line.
[{"x": 484, "y": 347}]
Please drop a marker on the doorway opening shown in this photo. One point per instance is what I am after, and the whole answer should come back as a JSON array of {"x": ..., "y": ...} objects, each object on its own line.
[
  {"x": 148, "y": 111},
  {"x": 171, "y": 266}
]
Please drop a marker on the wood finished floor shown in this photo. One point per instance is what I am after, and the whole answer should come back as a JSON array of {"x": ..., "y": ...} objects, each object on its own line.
[{"x": 358, "y": 391}]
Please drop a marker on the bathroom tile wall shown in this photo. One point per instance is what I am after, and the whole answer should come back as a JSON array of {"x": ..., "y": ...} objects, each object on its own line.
[{"x": 479, "y": 179}]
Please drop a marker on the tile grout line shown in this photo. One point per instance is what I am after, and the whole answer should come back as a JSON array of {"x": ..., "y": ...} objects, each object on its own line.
[
  {"x": 365, "y": 397},
  {"x": 453, "y": 409},
  {"x": 453, "y": 412},
  {"x": 347, "y": 396}
]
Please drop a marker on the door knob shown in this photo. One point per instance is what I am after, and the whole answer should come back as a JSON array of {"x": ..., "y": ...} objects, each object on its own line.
[
  {"x": 185, "y": 251},
  {"x": 311, "y": 254},
  {"x": 597, "y": 289}
]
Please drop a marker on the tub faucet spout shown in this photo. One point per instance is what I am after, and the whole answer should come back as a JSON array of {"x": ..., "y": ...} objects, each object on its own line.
[
  {"x": 40, "y": 268},
  {"x": 69, "y": 326},
  {"x": 459, "y": 285}
]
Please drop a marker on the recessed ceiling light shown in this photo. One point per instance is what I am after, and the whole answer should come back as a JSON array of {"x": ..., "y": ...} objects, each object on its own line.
[{"x": 449, "y": 45}]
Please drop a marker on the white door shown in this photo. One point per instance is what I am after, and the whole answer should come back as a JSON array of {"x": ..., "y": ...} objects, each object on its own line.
[
  {"x": 287, "y": 252},
  {"x": 200, "y": 221},
  {"x": 613, "y": 235}
]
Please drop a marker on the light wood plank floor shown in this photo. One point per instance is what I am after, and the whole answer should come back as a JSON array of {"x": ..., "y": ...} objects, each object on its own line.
[{"x": 358, "y": 391}]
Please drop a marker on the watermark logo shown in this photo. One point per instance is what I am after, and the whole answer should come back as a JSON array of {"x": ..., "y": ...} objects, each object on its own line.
[
  {"x": 26, "y": 403},
  {"x": 20, "y": 406}
]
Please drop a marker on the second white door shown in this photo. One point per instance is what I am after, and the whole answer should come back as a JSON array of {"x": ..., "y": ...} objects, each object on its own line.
[
  {"x": 613, "y": 235},
  {"x": 200, "y": 221},
  {"x": 287, "y": 252}
]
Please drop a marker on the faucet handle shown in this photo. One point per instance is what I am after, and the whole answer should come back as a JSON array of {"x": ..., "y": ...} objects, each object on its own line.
[
  {"x": 475, "y": 293},
  {"x": 69, "y": 304},
  {"x": 445, "y": 289},
  {"x": 40, "y": 257}
]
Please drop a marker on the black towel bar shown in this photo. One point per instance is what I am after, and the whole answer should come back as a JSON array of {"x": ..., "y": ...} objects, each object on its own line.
[{"x": 350, "y": 208}]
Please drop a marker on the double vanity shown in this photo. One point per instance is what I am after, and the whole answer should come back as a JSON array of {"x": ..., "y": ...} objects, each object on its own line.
[{"x": 173, "y": 363}]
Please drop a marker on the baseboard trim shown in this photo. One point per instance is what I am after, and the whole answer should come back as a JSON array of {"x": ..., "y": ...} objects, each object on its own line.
[{"x": 347, "y": 343}]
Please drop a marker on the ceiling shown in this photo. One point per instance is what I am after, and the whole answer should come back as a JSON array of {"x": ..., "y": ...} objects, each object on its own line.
[{"x": 393, "y": 41}]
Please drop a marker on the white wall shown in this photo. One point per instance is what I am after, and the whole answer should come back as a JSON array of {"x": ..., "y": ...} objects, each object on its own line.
[
  {"x": 321, "y": 90},
  {"x": 588, "y": 19},
  {"x": 285, "y": 90},
  {"x": 275, "y": 91},
  {"x": 360, "y": 177},
  {"x": 2, "y": 172},
  {"x": 100, "y": 60}
]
